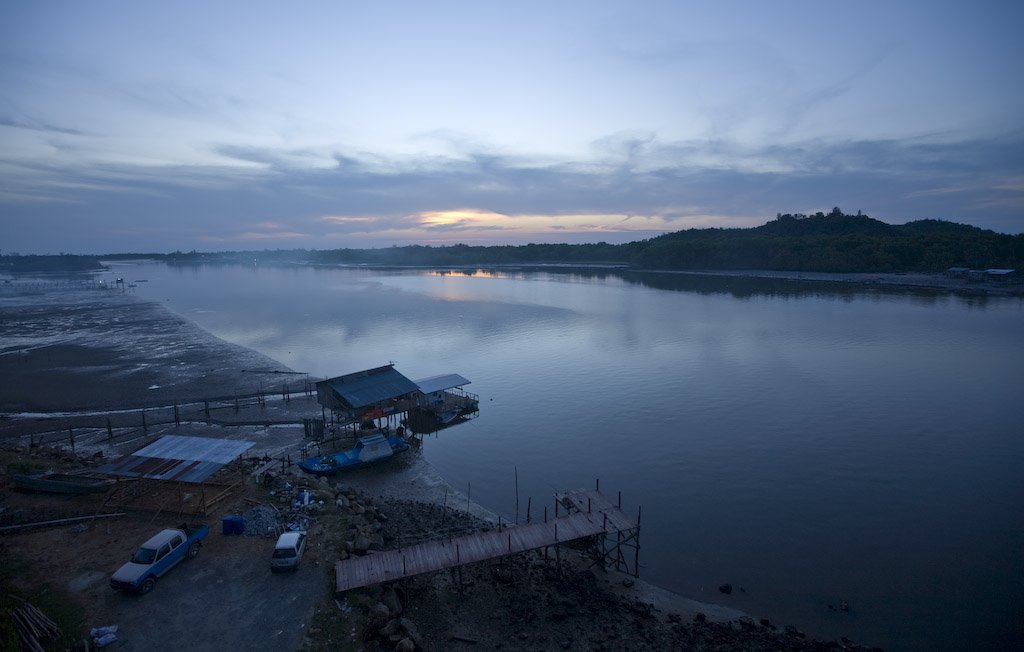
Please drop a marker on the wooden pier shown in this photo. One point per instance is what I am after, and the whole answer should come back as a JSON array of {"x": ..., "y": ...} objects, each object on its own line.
[{"x": 588, "y": 513}]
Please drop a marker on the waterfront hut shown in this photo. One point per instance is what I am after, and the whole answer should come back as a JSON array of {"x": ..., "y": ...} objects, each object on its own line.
[
  {"x": 443, "y": 401},
  {"x": 366, "y": 395}
]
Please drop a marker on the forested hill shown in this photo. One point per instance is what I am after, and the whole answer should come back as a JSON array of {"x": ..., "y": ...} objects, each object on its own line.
[{"x": 835, "y": 242}]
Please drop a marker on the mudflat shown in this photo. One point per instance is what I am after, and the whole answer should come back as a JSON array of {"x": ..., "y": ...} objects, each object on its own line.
[{"x": 75, "y": 347}]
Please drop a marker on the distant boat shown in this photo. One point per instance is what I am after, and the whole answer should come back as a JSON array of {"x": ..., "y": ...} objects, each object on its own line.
[
  {"x": 62, "y": 483},
  {"x": 369, "y": 450}
]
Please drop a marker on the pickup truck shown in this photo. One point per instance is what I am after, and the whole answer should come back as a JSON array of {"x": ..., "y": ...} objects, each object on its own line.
[{"x": 159, "y": 554}]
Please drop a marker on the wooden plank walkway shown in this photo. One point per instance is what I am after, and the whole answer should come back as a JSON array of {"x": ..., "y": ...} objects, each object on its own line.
[{"x": 430, "y": 556}]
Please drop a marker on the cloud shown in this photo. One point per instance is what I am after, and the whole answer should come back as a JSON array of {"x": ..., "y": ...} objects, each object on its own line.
[
  {"x": 36, "y": 125},
  {"x": 635, "y": 187},
  {"x": 266, "y": 235}
]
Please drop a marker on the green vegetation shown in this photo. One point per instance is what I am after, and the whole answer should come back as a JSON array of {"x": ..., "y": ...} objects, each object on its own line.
[
  {"x": 833, "y": 242},
  {"x": 14, "y": 263},
  {"x": 20, "y": 585}
]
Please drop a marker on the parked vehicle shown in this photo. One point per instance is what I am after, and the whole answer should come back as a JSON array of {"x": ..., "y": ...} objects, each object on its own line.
[
  {"x": 288, "y": 551},
  {"x": 159, "y": 554}
]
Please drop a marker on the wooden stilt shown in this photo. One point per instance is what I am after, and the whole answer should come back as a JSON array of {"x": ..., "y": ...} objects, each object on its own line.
[{"x": 516, "y": 470}]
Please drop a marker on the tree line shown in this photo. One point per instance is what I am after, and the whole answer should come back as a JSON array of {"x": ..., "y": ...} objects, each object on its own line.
[{"x": 832, "y": 242}]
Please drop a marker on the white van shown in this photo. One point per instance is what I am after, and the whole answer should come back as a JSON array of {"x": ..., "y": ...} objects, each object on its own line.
[{"x": 288, "y": 551}]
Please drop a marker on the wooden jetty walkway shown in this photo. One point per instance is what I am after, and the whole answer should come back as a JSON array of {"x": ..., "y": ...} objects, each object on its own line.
[{"x": 589, "y": 514}]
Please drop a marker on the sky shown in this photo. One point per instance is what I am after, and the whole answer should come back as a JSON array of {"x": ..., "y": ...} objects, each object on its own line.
[{"x": 154, "y": 127}]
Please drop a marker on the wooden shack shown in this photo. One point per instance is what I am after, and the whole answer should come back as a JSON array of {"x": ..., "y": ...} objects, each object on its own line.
[{"x": 367, "y": 395}]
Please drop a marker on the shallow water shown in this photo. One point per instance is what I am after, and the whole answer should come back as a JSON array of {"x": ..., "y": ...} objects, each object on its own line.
[{"x": 809, "y": 443}]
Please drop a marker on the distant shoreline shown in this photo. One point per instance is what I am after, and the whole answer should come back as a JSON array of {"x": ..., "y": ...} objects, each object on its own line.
[
  {"x": 909, "y": 280},
  {"x": 929, "y": 281}
]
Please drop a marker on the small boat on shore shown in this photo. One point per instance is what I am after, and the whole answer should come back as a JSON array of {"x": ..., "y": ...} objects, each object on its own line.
[
  {"x": 369, "y": 450},
  {"x": 62, "y": 483}
]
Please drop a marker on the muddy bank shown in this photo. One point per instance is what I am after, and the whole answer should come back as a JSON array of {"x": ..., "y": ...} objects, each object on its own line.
[
  {"x": 537, "y": 600},
  {"x": 79, "y": 347}
]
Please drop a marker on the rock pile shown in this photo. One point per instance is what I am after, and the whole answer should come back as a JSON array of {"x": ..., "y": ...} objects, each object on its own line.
[{"x": 262, "y": 520}]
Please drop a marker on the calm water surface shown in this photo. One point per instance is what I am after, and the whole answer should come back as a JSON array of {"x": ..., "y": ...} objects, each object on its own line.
[{"x": 811, "y": 444}]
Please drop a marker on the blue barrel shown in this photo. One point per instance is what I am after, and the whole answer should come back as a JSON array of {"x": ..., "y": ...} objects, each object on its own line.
[
  {"x": 239, "y": 526},
  {"x": 228, "y": 525}
]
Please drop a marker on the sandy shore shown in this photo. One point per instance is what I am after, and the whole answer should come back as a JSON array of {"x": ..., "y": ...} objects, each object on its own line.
[{"x": 97, "y": 356}]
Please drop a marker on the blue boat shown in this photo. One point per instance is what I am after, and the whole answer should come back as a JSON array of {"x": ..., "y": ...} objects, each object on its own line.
[{"x": 369, "y": 450}]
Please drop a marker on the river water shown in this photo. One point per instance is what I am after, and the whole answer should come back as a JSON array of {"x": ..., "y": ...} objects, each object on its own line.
[{"x": 810, "y": 444}]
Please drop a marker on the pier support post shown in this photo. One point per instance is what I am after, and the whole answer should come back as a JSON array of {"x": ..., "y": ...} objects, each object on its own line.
[
  {"x": 636, "y": 558},
  {"x": 516, "y": 469}
]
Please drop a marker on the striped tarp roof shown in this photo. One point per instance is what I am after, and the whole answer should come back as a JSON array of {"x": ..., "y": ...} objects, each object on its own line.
[
  {"x": 439, "y": 383},
  {"x": 372, "y": 386},
  {"x": 179, "y": 458}
]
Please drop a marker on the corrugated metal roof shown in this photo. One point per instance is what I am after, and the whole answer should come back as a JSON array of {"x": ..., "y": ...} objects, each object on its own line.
[
  {"x": 440, "y": 383},
  {"x": 179, "y": 458},
  {"x": 369, "y": 387}
]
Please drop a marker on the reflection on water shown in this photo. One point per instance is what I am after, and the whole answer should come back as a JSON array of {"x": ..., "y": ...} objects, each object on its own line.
[{"x": 810, "y": 443}]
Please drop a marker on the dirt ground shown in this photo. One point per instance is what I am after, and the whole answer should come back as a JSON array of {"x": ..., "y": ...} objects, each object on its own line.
[
  {"x": 225, "y": 597},
  {"x": 94, "y": 355}
]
